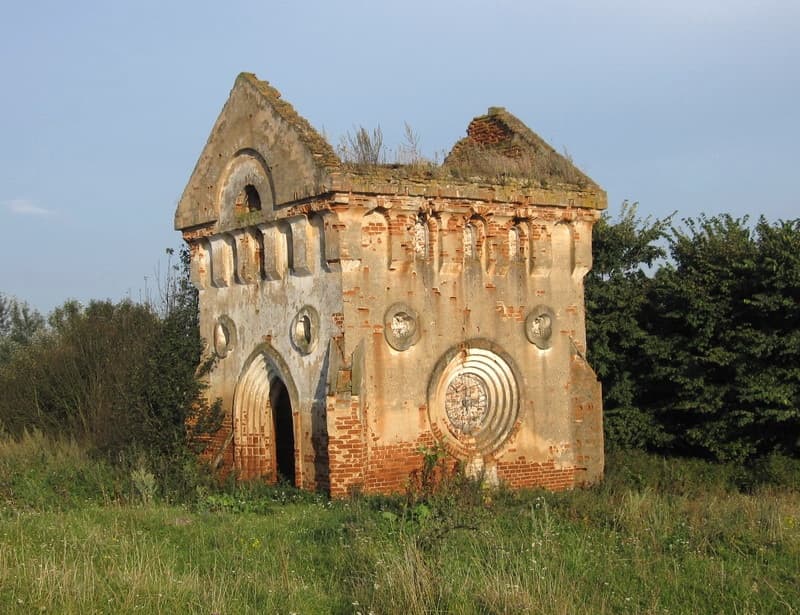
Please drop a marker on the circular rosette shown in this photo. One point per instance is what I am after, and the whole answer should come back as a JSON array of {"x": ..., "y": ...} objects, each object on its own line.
[{"x": 473, "y": 400}]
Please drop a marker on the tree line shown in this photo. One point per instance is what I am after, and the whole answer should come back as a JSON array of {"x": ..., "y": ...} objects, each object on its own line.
[
  {"x": 694, "y": 331},
  {"x": 124, "y": 379}
]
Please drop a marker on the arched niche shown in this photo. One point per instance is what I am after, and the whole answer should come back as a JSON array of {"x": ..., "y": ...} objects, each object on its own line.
[
  {"x": 518, "y": 242},
  {"x": 541, "y": 244},
  {"x": 420, "y": 238},
  {"x": 474, "y": 244},
  {"x": 513, "y": 243},
  {"x": 563, "y": 247},
  {"x": 433, "y": 224},
  {"x": 246, "y": 193},
  {"x": 375, "y": 246},
  {"x": 200, "y": 271}
]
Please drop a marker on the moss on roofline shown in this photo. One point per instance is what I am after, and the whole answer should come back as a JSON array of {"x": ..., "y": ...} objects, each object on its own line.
[
  {"x": 317, "y": 145},
  {"x": 500, "y": 158}
]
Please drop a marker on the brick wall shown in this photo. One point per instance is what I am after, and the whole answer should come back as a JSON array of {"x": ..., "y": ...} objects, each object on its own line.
[
  {"x": 521, "y": 473},
  {"x": 346, "y": 446}
]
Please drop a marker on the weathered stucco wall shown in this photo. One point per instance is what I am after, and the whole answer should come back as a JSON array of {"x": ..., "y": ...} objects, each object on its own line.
[
  {"x": 471, "y": 275},
  {"x": 359, "y": 316},
  {"x": 252, "y": 326}
]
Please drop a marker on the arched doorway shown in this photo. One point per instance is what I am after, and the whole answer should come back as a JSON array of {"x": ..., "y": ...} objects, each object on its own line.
[
  {"x": 283, "y": 430},
  {"x": 264, "y": 441}
]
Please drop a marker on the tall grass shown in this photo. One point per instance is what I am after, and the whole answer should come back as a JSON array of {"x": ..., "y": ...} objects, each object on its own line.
[
  {"x": 40, "y": 472},
  {"x": 638, "y": 544}
]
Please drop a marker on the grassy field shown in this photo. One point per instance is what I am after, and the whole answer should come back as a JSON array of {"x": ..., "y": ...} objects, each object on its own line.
[{"x": 657, "y": 537}]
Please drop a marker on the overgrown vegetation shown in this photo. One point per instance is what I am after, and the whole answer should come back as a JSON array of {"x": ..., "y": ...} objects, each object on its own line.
[
  {"x": 120, "y": 379},
  {"x": 676, "y": 536},
  {"x": 362, "y": 147},
  {"x": 103, "y": 508},
  {"x": 545, "y": 168},
  {"x": 362, "y": 150},
  {"x": 526, "y": 161},
  {"x": 699, "y": 354}
]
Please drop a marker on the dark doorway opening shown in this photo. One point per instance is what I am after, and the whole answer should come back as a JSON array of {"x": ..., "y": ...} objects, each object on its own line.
[{"x": 284, "y": 431}]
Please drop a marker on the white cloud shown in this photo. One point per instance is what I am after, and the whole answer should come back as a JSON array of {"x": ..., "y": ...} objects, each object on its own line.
[{"x": 26, "y": 207}]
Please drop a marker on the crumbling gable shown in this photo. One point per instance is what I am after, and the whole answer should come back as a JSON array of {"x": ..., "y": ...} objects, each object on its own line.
[
  {"x": 362, "y": 313},
  {"x": 256, "y": 135},
  {"x": 499, "y": 146}
]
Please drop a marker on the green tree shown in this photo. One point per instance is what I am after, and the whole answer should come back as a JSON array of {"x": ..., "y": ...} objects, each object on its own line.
[
  {"x": 125, "y": 379},
  {"x": 724, "y": 378},
  {"x": 19, "y": 323},
  {"x": 616, "y": 295}
]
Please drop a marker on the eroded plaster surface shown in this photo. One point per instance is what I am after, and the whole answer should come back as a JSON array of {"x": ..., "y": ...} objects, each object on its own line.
[{"x": 361, "y": 313}]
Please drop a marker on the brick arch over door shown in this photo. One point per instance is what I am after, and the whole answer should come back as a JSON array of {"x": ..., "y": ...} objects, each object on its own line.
[{"x": 265, "y": 388}]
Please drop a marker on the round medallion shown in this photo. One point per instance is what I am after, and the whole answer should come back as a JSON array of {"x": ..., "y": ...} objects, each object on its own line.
[
  {"x": 400, "y": 326},
  {"x": 539, "y": 326},
  {"x": 304, "y": 330}
]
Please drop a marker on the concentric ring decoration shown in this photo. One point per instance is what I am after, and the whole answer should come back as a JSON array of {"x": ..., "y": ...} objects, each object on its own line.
[{"x": 473, "y": 400}]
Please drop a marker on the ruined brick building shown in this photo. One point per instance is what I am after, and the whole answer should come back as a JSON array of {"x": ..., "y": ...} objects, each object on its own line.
[{"x": 361, "y": 312}]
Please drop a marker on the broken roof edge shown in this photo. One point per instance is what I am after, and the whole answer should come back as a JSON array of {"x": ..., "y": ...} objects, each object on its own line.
[
  {"x": 532, "y": 158},
  {"x": 500, "y": 144},
  {"x": 323, "y": 171},
  {"x": 511, "y": 192}
]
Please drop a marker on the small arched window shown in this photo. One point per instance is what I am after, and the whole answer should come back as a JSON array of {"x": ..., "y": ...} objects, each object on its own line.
[
  {"x": 513, "y": 243},
  {"x": 248, "y": 200}
]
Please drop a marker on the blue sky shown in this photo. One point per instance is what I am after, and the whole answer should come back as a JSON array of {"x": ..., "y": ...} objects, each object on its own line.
[{"x": 687, "y": 106}]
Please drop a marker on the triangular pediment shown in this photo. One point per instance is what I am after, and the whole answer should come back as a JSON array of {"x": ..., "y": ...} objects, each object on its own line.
[{"x": 259, "y": 147}]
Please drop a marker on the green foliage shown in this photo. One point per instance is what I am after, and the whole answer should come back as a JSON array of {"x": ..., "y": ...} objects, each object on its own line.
[
  {"x": 440, "y": 499},
  {"x": 121, "y": 378},
  {"x": 19, "y": 324},
  {"x": 81, "y": 376},
  {"x": 658, "y": 537},
  {"x": 703, "y": 356},
  {"x": 726, "y": 374},
  {"x": 144, "y": 482},
  {"x": 616, "y": 296},
  {"x": 39, "y": 472}
]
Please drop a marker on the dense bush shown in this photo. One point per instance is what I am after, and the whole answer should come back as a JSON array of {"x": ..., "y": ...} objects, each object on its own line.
[
  {"x": 120, "y": 378},
  {"x": 616, "y": 294},
  {"x": 702, "y": 355}
]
